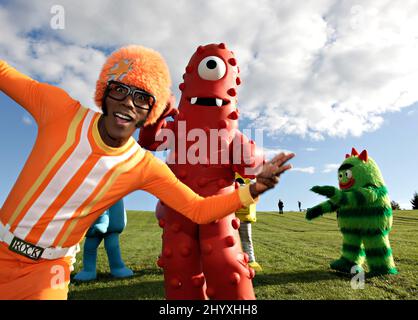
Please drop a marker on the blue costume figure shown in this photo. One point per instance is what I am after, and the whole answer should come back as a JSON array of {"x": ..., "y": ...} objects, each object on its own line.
[{"x": 108, "y": 227}]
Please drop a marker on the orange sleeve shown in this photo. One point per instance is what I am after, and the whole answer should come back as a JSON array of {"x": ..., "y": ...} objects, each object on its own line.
[
  {"x": 158, "y": 179},
  {"x": 43, "y": 101}
]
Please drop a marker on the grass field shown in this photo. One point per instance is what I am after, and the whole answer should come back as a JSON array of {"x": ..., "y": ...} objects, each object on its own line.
[{"x": 294, "y": 254}]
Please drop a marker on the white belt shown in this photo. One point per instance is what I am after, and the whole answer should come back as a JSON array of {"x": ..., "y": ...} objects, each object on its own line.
[{"x": 48, "y": 253}]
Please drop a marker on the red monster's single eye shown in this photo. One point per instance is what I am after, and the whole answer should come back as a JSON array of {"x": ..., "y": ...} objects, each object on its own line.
[{"x": 211, "y": 68}]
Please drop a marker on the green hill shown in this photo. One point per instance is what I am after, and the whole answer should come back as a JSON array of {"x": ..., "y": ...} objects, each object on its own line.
[{"x": 293, "y": 252}]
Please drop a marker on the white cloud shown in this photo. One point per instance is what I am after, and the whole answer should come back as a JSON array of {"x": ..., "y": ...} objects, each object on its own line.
[
  {"x": 311, "y": 149},
  {"x": 26, "y": 120},
  {"x": 73, "y": 67},
  {"x": 330, "y": 167},
  {"x": 313, "y": 69},
  {"x": 269, "y": 153},
  {"x": 310, "y": 170}
]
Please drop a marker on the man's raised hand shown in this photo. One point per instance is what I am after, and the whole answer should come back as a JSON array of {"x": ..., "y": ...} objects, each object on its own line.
[{"x": 269, "y": 177}]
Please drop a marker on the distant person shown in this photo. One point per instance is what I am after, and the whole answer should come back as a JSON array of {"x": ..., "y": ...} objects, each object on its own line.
[
  {"x": 300, "y": 206},
  {"x": 281, "y": 205}
]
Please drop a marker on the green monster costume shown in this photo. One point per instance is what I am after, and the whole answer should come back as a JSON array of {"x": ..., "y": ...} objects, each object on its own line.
[{"x": 364, "y": 215}]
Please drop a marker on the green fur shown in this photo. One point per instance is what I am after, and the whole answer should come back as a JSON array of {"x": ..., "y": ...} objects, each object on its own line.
[
  {"x": 364, "y": 215},
  {"x": 365, "y": 232}
]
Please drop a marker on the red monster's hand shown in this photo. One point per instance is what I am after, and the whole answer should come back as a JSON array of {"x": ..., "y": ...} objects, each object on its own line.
[{"x": 147, "y": 135}]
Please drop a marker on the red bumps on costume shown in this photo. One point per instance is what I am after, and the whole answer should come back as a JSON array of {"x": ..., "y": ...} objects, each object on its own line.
[
  {"x": 235, "y": 223},
  {"x": 176, "y": 227},
  {"x": 160, "y": 263},
  {"x": 210, "y": 292},
  {"x": 161, "y": 223},
  {"x": 199, "y": 280},
  {"x": 182, "y": 174},
  {"x": 232, "y": 62},
  {"x": 167, "y": 252},
  {"x": 354, "y": 152},
  {"x": 232, "y": 92},
  {"x": 230, "y": 241},
  {"x": 175, "y": 283},
  {"x": 202, "y": 181},
  {"x": 223, "y": 124},
  {"x": 235, "y": 278},
  {"x": 207, "y": 249},
  {"x": 233, "y": 115},
  {"x": 246, "y": 257},
  {"x": 185, "y": 251},
  {"x": 252, "y": 273}
]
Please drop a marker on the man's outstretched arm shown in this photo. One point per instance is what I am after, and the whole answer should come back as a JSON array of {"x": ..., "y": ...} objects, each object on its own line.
[
  {"x": 41, "y": 100},
  {"x": 159, "y": 180}
]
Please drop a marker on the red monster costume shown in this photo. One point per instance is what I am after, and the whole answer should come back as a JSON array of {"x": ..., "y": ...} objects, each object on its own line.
[{"x": 205, "y": 261}]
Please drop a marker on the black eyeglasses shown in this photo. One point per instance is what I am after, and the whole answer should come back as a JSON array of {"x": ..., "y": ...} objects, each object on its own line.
[{"x": 140, "y": 98}]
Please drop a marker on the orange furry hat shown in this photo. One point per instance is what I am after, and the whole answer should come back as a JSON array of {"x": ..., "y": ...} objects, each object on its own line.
[{"x": 140, "y": 67}]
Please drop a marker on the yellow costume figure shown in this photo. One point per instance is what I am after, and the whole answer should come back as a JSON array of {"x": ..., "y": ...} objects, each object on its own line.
[{"x": 247, "y": 216}]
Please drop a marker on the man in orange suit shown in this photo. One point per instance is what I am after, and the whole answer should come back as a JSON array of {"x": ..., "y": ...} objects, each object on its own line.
[{"x": 84, "y": 161}]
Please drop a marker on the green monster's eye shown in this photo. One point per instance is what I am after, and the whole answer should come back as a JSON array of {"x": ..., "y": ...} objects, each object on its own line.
[
  {"x": 340, "y": 176},
  {"x": 348, "y": 174}
]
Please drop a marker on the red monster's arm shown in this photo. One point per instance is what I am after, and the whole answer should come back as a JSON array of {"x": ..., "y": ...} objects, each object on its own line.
[
  {"x": 247, "y": 158},
  {"x": 148, "y": 135}
]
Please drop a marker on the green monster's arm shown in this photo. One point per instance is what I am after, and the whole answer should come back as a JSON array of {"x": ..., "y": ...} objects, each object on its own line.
[
  {"x": 320, "y": 209},
  {"x": 355, "y": 197}
]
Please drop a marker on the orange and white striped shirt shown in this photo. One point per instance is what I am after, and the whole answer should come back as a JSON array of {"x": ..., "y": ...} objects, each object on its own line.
[{"x": 71, "y": 176}]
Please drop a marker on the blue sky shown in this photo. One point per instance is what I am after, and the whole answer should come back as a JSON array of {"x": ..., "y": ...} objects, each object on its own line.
[{"x": 319, "y": 77}]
